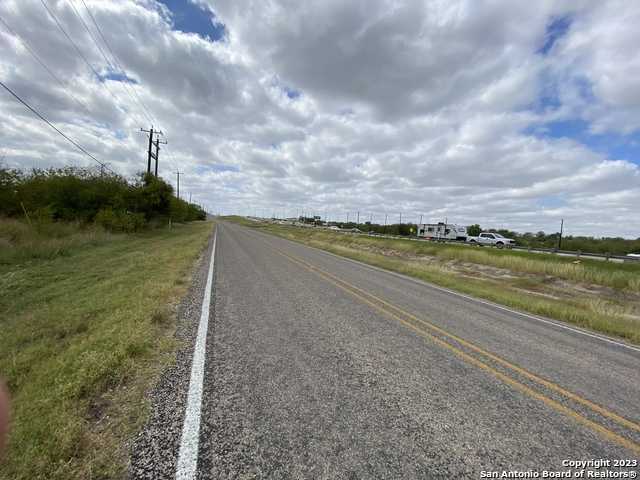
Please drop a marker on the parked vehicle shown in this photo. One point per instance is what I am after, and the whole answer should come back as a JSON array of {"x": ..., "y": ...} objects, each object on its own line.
[
  {"x": 494, "y": 239},
  {"x": 442, "y": 231}
]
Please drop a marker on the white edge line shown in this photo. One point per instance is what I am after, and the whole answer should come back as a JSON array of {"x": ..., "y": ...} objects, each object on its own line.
[
  {"x": 474, "y": 299},
  {"x": 188, "y": 454}
]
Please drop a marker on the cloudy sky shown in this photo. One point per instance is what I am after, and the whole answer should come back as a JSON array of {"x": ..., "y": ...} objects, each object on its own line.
[{"x": 506, "y": 113}]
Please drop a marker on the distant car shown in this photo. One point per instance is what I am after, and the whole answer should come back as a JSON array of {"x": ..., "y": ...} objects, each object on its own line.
[
  {"x": 495, "y": 239},
  {"x": 634, "y": 255}
]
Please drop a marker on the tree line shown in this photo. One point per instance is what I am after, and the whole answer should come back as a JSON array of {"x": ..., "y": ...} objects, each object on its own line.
[
  {"x": 603, "y": 245},
  {"x": 89, "y": 197}
]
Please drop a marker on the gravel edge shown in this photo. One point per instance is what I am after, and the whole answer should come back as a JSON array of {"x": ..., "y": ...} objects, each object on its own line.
[{"x": 154, "y": 450}]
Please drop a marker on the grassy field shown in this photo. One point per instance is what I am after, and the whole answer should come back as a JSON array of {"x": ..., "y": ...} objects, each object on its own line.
[
  {"x": 602, "y": 296},
  {"x": 87, "y": 321}
]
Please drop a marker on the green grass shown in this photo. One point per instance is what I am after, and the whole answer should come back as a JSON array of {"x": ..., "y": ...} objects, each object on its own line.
[
  {"x": 86, "y": 323},
  {"x": 21, "y": 241},
  {"x": 615, "y": 275},
  {"x": 608, "y": 315}
]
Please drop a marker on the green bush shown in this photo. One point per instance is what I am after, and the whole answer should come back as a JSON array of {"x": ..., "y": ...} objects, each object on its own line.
[
  {"x": 81, "y": 195},
  {"x": 120, "y": 221}
]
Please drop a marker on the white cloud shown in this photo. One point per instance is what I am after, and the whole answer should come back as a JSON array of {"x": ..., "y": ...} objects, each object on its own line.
[
  {"x": 424, "y": 108},
  {"x": 599, "y": 55}
]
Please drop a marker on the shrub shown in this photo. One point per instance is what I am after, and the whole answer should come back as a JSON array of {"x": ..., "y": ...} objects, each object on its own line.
[
  {"x": 81, "y": 195},
  {"x": 120, "y": 221}
]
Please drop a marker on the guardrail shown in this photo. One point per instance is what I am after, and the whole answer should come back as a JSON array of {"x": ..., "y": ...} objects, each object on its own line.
[
  {"x": 551, "y": 251},
  {"x": 578, "y": 254}
]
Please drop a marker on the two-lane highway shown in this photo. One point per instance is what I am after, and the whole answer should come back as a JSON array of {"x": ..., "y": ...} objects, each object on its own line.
[{"x": 320, "y": 367}]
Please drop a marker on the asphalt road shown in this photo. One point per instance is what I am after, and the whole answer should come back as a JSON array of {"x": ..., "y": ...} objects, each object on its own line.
[{"x": 320, "y": 367}]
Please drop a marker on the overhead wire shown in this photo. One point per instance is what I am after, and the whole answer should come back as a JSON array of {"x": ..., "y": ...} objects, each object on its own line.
[
  {"x": 44, "y": 119},
  {"x": 116, "y": 59},
  {"x": 83, "y": 57},
  {"x": 44, "y": 65},
  {"x": 110, "y": 64},
  {"x": 118, "y": 64},
  {"x": 58, "y": 80},
  {"x": 79, "y": 52}
]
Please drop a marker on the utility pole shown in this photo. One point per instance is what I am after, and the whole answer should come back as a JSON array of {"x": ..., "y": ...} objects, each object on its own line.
[
  {"x": 385, "y": 223},
  {"x": 150, "y": 153},
  {"x": 189, "y": 197},
  {"x": 178, "y": 174},
  {"x": 157, "y": 144},
  {"x": 420, "y": 219},
  {"x": 400, "y": 218},
  {"x": 560, "y": 237},
  {"x": 358, "y": 219}
]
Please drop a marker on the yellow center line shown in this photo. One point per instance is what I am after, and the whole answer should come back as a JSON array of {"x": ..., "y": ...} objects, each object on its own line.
[
  {"x": 531, "y": 376},
  {"x": 362, "y": 296}
]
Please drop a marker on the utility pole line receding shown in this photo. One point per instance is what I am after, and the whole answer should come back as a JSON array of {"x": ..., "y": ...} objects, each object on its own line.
[
  {"x": 560, "y": 237},
  {"x": 178, "y": 173},
  {"x": 157, "y": 144},
  {"x": 150, "y": 153}
]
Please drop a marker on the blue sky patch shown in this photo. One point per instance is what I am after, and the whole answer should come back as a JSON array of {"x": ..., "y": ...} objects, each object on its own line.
[
  {"x": 557, "y": 28},
  {"x": 189, "y": 17},
  {"x": 613, "y": 146},
  {"x": 216, "y": 168},
  {"x": 552, "y": 201},
  {"x": 118, "y": 77},
  {"x": 292, "y": 93},
  {"x": 120, "y": 134}
]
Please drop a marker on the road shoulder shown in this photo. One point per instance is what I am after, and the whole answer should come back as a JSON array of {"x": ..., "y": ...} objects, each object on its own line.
[{"x": 154, "y": 451}]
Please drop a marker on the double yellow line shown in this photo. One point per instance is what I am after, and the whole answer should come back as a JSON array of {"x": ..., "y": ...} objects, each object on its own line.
[{"x": 423, "y": 328}]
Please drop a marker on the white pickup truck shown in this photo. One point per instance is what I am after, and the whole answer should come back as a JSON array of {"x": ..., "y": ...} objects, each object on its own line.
[{"x": 494, "y": 239}]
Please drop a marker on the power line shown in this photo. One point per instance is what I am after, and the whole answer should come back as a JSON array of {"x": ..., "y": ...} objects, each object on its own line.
[
  {"x": 39, "y": 115},
  {"x": 117, "y": 62},
  {"x": 77, "y": 49},
  {"x": 75, "y": 10},
  {"x": 172, "y": 160},
  {"x": 44, "y": 65},
  {"x": 97, "y": 44}
]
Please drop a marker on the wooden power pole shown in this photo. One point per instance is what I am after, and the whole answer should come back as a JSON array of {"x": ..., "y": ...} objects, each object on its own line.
[
  {"x": 150, "y": 152},
  {"x": 157, "y": 154},
  {"x": 178, "y": 184}
]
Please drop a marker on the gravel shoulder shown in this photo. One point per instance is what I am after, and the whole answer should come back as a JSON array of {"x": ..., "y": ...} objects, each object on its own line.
[{"x": 155, "y": 450}]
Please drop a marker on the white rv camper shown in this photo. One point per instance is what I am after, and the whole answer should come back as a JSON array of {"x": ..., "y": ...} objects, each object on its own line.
[{"x": 442, "y": 231}]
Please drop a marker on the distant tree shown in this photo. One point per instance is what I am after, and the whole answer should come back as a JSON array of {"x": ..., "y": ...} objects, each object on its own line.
[{"x": 474, "y": 230}]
